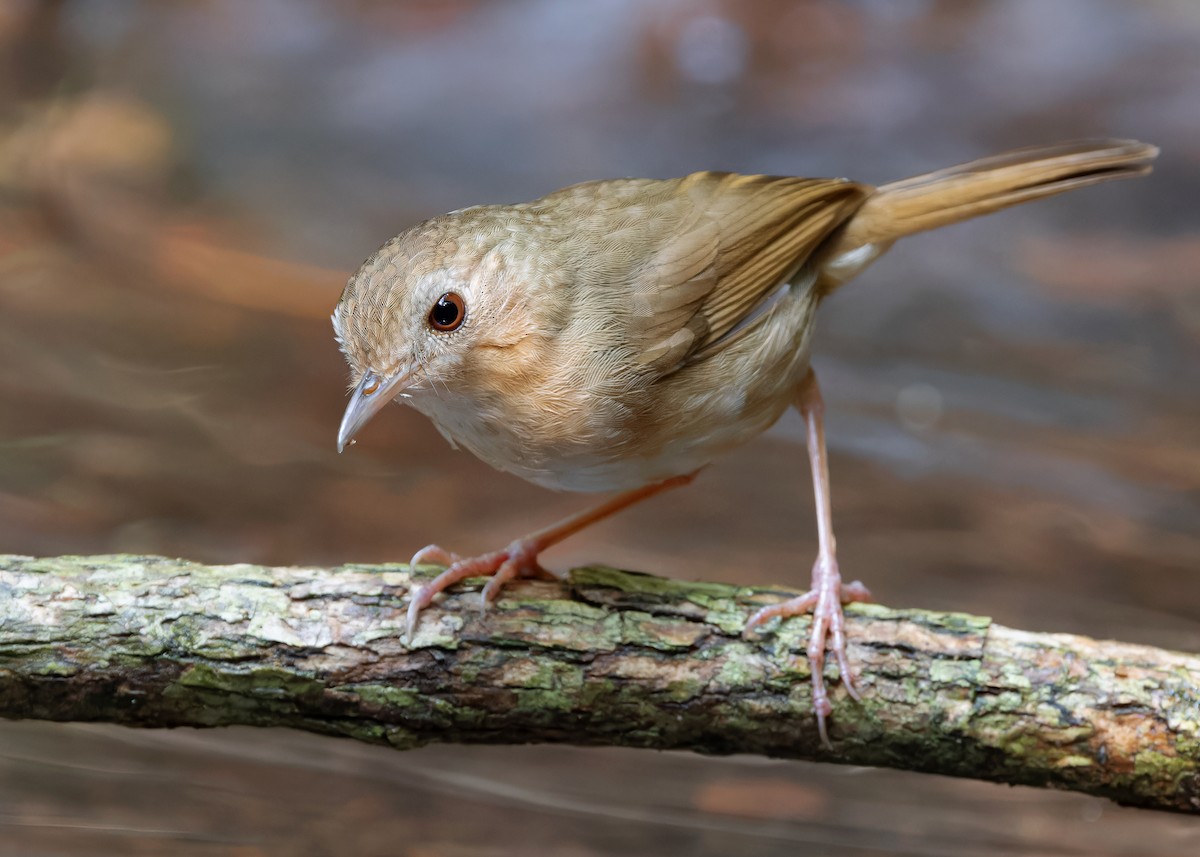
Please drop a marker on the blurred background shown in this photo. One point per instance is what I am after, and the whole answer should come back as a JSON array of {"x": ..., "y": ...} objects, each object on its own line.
[{"x": 1014, "y": 403}]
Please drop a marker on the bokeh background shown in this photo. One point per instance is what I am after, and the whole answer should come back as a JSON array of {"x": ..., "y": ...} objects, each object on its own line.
[{"x": 1014, "y": 403}]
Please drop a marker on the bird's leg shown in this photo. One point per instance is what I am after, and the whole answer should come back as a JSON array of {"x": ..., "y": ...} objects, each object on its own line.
[
  {"x": 828, "y": 593},
  {"x": 519, "y": 559}
]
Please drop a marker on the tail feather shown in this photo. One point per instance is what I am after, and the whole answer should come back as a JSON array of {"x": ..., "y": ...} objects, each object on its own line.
[{"x": 973, "y": 189}]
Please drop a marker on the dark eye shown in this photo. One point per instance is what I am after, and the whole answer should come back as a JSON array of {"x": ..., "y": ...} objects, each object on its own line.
[{"x": 448, "y": 313}]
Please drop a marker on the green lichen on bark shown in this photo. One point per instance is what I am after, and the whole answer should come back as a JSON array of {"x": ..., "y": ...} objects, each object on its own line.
[{"x": 607, "y": 657}]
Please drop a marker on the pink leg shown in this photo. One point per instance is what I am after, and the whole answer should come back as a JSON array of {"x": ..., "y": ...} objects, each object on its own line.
[
  {"x": 828, "y": 593},
  {"x": 519, "y": 559}
]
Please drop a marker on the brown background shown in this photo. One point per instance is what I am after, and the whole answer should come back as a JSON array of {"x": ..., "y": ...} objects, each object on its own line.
[{"x": 1014, "y": 403}]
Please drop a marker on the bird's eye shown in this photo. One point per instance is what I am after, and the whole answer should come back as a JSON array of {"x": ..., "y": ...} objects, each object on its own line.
[{"x": 448, "y": 313}]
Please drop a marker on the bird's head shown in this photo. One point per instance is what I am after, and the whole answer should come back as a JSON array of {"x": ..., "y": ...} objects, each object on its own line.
[{"x": 422, "y": 313}]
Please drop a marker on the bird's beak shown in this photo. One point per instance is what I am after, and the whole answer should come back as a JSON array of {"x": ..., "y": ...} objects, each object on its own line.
[{"x": 371, "y": 394}]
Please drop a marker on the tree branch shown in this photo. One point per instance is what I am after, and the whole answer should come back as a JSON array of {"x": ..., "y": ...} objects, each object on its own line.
[{"x": 606, "y": 658}]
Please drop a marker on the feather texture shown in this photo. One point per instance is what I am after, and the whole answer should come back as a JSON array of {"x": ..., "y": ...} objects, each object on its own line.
[{"x": 626, "y": 331}]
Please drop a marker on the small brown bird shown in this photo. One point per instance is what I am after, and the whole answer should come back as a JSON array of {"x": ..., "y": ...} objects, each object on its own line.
[{"x": 620, "y": 335}]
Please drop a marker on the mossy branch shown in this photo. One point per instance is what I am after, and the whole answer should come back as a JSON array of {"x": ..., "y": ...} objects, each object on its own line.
[{"x": 607, "y": 657}]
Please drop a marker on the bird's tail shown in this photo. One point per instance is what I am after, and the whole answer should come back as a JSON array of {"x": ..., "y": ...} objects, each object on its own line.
[{"x": 973, "y": 189}]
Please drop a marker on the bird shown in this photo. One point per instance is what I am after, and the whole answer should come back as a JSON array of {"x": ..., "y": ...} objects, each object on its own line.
[{"x": 619, "y": 335}]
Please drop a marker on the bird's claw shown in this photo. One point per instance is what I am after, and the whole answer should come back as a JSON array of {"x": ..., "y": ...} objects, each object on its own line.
[
  {"x": 825, "y": 602},
  {"x": 516, "y": 561},
  {"x": 434, "y": 555}
]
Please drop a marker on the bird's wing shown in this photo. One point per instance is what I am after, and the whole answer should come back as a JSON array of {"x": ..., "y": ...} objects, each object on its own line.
[{"x": 721, "y": 246}]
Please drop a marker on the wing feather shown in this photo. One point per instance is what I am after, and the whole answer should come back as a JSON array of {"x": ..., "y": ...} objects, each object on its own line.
[{"x": 733, "y": 241}]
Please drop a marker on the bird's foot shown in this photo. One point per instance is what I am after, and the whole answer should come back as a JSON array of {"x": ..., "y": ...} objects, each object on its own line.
[
  {"x": 824, "y": 601},
  {"x": 518, "y": 560}
]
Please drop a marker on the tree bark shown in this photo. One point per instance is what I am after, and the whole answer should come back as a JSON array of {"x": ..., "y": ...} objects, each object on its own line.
[{"x": 604, "y": 658}]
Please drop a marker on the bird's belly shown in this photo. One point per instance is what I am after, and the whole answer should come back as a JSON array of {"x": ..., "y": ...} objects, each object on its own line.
[
  {"x": 542, "y": 449},
  {"x": 615, "y": 467}
]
